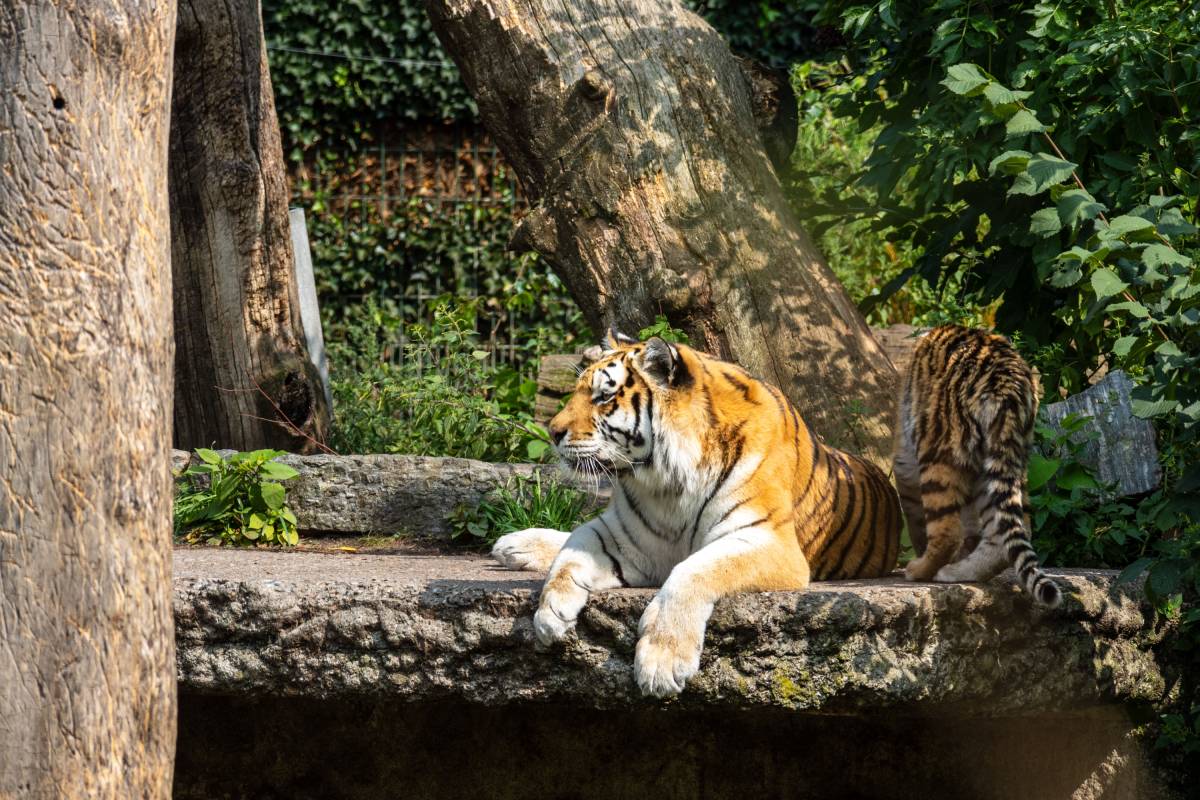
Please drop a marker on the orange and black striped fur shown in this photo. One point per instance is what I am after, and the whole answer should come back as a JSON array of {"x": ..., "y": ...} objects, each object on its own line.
[
  {"x": 964, "y": 427},
  {"x": 718, "y": 487}
]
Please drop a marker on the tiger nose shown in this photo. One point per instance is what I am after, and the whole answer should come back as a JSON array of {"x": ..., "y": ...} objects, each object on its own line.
[{"x": 557, "y": 433}]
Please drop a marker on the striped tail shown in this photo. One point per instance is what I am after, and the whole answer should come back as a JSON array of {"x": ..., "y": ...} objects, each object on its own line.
[{"x": 1005, "y": 518}]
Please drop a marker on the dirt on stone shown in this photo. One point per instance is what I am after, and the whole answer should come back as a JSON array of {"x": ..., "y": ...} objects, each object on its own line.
[{"x": 367, "y": 544}]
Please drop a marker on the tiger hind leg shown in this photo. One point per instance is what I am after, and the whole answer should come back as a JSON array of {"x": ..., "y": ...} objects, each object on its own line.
[
  {"x": 943, "y": 495},
  {"x": 908, "y": 485}
]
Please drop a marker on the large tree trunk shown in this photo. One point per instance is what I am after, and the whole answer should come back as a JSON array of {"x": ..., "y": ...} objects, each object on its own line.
[
  {"x": 631, "y": 125},
  {"x": 87, "y": 654},
  {"x": 237, "y": 316}
]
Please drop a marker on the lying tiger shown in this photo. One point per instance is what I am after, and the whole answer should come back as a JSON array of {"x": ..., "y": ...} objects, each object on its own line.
[{"x": 719, "y": 487}]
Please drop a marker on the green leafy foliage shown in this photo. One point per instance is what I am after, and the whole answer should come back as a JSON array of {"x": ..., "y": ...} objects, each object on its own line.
[
  {"x": 446, "y": 397},
  {"x": 420, "y": 247},
  {"x": 1058, "y": 162},
  {"x": 824, "y": 187},
  {"x": 525, "y": 502},
  {"x": 663, "y": 329},
  {"x": 393, "y": 69},
  {"x": 236, "y": 500},
  {"x": 1072, "y": 522}
]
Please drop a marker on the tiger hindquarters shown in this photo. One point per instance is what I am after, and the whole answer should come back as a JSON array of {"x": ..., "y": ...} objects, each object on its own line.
[{"x": 1005, "y": 539}]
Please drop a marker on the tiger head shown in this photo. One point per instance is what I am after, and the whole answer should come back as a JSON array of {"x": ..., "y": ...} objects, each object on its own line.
[{"x": 608, "y": 423}]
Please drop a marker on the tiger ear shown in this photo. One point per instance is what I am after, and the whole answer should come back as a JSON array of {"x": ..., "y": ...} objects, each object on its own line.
[
  {"x": 660, "y": 360},
  {"x": 614, "y": 339}
]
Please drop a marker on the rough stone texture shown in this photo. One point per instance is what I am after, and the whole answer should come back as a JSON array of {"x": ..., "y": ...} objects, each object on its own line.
[
  {"x": 394, "y": 493},
  {"x": 1120, "y": 447},
  {"x": 457, "y": 628}
]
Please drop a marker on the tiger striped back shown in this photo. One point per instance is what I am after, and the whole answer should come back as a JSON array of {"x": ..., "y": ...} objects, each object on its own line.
[
  {"x": 717, "y": 440},
  {"x": 853, "y": 530},
  {"x": 964, "y": 427}
]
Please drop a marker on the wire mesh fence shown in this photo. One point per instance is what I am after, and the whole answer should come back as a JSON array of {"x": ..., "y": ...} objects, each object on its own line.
[{"x": 427, "y": 211}]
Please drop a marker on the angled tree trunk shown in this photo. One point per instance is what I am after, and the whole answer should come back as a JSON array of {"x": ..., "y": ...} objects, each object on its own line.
[
  {"x": 632, "y": 126},
  {"x": 237, "y": 316},
  {"x": 87, "y": 655}
]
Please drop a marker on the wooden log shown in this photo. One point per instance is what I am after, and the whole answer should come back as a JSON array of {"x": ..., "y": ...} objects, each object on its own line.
[{"x": 87, "y": 657}]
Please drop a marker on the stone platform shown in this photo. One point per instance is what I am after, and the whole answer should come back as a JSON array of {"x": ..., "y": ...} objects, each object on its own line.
[{"x": 955, "y": 690}]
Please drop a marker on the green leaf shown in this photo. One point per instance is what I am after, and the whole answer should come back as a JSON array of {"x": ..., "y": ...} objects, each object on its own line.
[
  {"x": 287, "y": 514},
  {"x": 1011, "y": 162},
  {"x": 280, "y": 472},
  {"x": 1152, "y": 408},
  {"x": 1106, "y": 283},
  {"x": 1045, "y": 222},
  {"x": 1077, "y": 253},
  {"x": 256, "y": 521},
  {"x": 1076, "y": 206},
  {"x": 1133, "y": 570},
  {"x": 1125, "y": 225},
  {"x": 1047, "y": 170},
  {"x": 1023, "y": 184},
  {"x": 1023, "y": 122},
  {"x": 1160, "y": 255},
  {"x": 208, "y": 456},
  {"x": 1172, "y": 223},
  {"x": 536, "y": 449},
  {"x": 1164, "y": 201},
  {"x": 1164, "y": 577},
  {"x": 251, "y": 533},
  {"x": 965, "y": 79},
  {"x": 1123, "y": 345},
  {"x": 1076, "y": 476},
  {"x": 1134, "y": 308},
  {"x": 1000, "y": 102},
  {"x": 1066, "y": 276},
  {"x": 1168, "y": 349},
  {"x": 272, "y": 495},
  {"x": 1041, "y": 470},
  {"x": 480, "y": 355}
]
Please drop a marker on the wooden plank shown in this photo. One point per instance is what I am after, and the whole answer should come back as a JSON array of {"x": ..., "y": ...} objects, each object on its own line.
[{"x": 306, "y": 291}]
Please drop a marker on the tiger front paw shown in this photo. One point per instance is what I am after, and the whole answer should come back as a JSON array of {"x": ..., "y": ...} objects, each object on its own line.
[
  {"x": 668, "y": 650},
  {"x": 550, "y": 626},
  {"x": 532, "y": 549}
]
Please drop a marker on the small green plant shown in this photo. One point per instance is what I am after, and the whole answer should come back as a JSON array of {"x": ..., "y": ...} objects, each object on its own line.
[
  {"x": 525, "y": 502},
  {"x": 1072, "y": 522},
  {"x": 663, "y": 329},
  {"x": 444, "y": 398},
  {"x": 235, "y": 500}
]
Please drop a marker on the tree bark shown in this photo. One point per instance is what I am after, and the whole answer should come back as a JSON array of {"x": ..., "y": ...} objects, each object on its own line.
[
  {"x": 631, "y": 126},
  {"x": 87, "y": 654},
  {"x": 237, "y": 314}
]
